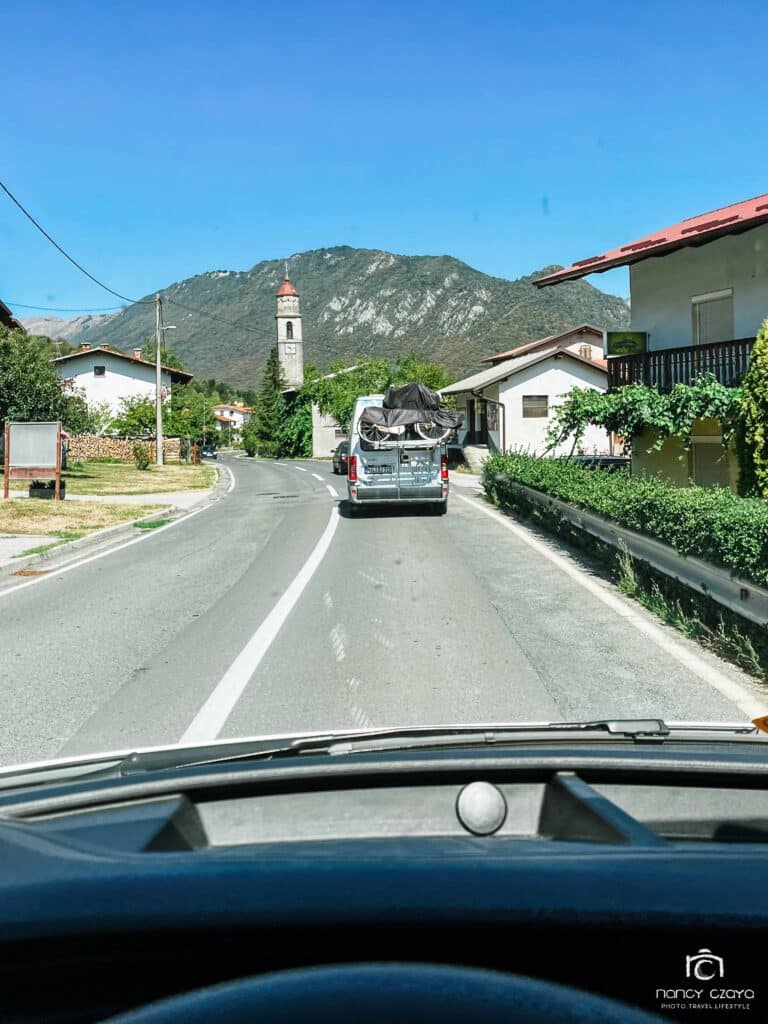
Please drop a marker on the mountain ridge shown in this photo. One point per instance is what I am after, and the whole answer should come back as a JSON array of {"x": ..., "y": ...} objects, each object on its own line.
[{"x": 355, "y": 303}]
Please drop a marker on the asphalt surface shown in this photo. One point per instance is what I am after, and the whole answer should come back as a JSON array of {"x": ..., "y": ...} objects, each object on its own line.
[{"x": 407, "y": 619}]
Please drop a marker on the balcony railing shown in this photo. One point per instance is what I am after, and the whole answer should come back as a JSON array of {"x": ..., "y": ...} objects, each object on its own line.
[{"x": 727, "y": 360}]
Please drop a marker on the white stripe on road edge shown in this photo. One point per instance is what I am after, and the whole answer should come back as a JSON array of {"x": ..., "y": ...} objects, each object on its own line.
[
  {"x": 212, "y": 716},
  {"x": 332, "y": 491},
  {"x": 232, "y": 480},
  {"x": 54, "y": 574},
  {"x": 740, "y": 696},
  {"x": 317, "y": 477},
  {"x": 300, "y": 469}
]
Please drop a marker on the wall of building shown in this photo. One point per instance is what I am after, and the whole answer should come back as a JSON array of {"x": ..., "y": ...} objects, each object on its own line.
[
  {"x": 677, "y": 466},
  {"x": 553, "y": 378},
  {"x": 326, "y": 434},
  {"x": 662, "y": 288},
  {"x": 121, "y": 379}
]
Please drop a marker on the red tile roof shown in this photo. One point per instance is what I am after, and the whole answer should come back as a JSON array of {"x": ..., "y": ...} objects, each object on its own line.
[
  {"x": 520, "y": 350},
  {"x": 286, "y": 288},
  {"x": 728, "y": 220}
]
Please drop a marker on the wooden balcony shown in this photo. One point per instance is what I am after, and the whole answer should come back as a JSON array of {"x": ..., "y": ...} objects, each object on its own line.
[{"x": 727, "y": 360}]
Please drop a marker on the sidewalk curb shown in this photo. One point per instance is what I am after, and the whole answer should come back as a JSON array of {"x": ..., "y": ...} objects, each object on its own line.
[{"x": 93, "y": 539}]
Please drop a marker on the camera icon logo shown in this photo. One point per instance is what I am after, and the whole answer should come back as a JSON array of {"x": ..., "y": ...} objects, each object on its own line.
[{"x": 704, "y": 966}]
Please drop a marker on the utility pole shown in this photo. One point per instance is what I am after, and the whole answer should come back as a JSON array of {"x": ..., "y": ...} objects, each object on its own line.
[{"x": 158, "y": 381}]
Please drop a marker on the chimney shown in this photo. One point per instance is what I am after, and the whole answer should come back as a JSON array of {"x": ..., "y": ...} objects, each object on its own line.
[
  {"x": 137, "y": 353},
  {"x": 85, "y": 347}
]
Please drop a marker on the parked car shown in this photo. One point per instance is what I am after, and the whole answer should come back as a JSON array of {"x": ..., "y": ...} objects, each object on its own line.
[
  {"x": 395, "y": 465},
  {"x": 341, "y": 458},
  {"x": 208, "y": 451}
]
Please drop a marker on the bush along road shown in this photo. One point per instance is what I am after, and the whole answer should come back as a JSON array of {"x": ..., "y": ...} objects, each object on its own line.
[{"x": 711, "y": 524}]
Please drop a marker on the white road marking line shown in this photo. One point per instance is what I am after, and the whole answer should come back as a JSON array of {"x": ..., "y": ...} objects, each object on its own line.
[
  {"x": 360, "y": 716},
  {"x": 332, "y": 491},
  {"x": 54, "y": 574},
  {"x": 317, "y": 477},
  {"x": 337, "y": 643},
  {"x": 740, "y": 696},
  {"x": 300, "y": 469},
  {"x": 328, "y": 600},
  {"x": 232, "y": 481},
  {"x": 212, "y": 716}
]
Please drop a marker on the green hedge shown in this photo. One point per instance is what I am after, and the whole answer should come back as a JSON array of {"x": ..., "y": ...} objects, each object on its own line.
[{"x": 709, "y": 523}]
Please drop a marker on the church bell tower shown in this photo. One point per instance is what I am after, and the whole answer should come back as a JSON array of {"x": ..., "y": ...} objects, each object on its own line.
[{"x": 290, "y": 347}]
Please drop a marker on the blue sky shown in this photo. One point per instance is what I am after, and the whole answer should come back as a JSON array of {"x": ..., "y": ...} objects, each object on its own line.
[{"x": 160, "y": 140}]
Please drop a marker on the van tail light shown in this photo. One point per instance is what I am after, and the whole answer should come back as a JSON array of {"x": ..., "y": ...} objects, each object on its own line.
[
  {"x": 443, "y": 466},
  {"x": 352, "y": 468}
]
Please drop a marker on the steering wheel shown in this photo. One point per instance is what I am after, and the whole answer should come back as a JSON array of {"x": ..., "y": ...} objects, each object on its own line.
[{"x": 387, "y": 993}]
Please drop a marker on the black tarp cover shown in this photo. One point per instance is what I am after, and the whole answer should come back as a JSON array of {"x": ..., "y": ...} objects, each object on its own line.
[
  {"x": 412, "y": 396},
  {"x": 412, "y": 403}
]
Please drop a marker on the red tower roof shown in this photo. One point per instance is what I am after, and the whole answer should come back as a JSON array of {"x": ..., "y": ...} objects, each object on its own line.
[{"x": 286, "y": 288}]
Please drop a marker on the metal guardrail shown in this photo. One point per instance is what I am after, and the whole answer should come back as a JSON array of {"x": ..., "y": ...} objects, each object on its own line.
[{"x": 741, "y": 596}]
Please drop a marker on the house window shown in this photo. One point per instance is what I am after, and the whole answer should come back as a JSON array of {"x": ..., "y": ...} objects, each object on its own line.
[
  {"x": 585, "y": 351},
  {"x": 289, "y": 330},
  {"x": 535, "y": 407},
  {"x": 99, "y": 371},
  {"x": 712, "y": 316}
]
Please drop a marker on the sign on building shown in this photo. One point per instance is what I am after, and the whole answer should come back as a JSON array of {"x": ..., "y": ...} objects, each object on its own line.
[{"x": 625, "y": 343}]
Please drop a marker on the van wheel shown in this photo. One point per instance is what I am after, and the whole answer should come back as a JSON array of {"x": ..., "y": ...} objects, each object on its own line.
[
  {"x": 352, "y": 510},
  {"x": 440, "y": 509}
]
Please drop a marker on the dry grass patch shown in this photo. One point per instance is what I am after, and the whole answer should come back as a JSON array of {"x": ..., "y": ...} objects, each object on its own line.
[
  {"x": 105, "y": 478},
  {"x": 64, "y": 519}
]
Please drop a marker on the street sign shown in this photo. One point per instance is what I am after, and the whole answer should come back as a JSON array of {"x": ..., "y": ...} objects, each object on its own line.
[
  {"x": 32, "y": 451},
  {"x": 625, "y": 343}
]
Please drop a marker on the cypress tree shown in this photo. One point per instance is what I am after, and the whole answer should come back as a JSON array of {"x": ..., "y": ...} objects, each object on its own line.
[
  {"x": 270, "y": 408},
  {"x": 752, "y": 435}
]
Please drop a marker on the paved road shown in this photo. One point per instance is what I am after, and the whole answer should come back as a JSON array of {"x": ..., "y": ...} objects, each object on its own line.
[{"x": 204, "y": 629}]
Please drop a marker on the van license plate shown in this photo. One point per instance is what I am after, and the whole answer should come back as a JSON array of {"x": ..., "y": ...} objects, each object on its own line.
[{"x": 380, "y": 470}]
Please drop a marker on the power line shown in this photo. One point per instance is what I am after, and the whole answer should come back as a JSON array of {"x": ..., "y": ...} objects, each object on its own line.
[
  {"x": 64, "y": 309},
  {"x": 63, "y": 252},
  {"x": 88, "y": 274}
]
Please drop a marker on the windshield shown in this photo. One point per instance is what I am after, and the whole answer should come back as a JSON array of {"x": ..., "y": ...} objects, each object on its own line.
[{"x": 380, "y": 367}]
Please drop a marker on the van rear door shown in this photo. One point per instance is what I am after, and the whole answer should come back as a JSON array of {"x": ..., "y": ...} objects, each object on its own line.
[{"x": 419, "y": 473}]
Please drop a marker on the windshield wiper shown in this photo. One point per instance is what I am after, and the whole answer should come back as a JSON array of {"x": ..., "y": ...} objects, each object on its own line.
[
  {"x": 118, "y": 765},
  {"x": 408, "y": 738}
]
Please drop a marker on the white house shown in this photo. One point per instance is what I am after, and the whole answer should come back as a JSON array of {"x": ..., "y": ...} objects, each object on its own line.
[
  {"x": 510, "y": 404},
  {"x": 107, "y": 376},
  {"x": 699, "y": 294},
  {"x": 236, "y": 416}
]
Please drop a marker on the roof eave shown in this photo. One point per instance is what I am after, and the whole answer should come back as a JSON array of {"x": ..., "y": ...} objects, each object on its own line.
[{"x": 664, "y": 249}]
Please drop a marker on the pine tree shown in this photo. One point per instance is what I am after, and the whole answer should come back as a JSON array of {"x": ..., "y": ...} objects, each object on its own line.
[
  {"x": 270, "y": 408},
  {"x": 753, "y": 421}
]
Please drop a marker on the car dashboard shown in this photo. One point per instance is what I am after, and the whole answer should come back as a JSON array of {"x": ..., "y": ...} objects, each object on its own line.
[{"x": 602, "y": 865}]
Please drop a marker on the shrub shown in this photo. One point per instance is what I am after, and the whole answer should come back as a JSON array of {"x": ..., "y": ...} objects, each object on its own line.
[
  {"x": 708, "y": 523},
  {"x": 142, "y": 455}
]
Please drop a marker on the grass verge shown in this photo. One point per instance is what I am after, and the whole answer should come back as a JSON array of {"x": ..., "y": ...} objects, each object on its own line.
[
  {"x": 65, "y": 520},
  {"x": 106, "y": 478},
  {"x": 151, "y": 524},
  {"x": 697, "y": 616}
]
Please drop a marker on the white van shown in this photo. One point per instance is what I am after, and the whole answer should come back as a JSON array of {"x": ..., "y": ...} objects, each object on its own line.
[{"x": 398, "y": 468}]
